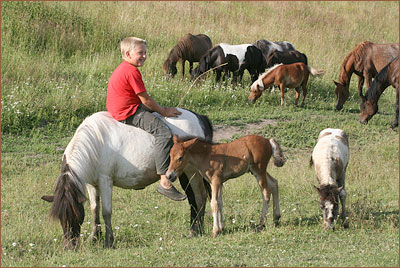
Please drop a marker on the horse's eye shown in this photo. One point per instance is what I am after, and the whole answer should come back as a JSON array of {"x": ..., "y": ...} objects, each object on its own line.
[{"x": 180, "y": 159}]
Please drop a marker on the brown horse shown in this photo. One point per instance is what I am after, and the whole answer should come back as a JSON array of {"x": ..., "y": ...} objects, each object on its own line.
[
  {"x": 389, "y": 75},
  {"x": 365, "y": 60},
  {"x": 221, "y": 162},
  {"x": 190, "y": 48},
  {"x": 293, "y": 75}
]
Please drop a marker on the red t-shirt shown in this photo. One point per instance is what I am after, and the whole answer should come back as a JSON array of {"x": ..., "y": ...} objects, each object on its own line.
[{"x": 124, "y": 85}]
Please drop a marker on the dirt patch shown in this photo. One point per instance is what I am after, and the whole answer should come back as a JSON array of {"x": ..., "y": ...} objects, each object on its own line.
[{"x": 222, "y": 133}]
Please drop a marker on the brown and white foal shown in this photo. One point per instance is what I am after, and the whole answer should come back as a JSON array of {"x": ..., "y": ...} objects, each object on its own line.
[
  {"x": 330, "y": 158},
  {"x": 221, "y": 162}
]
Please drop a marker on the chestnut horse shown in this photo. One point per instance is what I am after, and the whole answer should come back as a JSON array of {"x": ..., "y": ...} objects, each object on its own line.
[
  {"x": 190, "y": 48},
  {"x": 365, "y": 60},
  {"x": 293, "y": 75},
  {"x": 221, "y": 162},
  {"x": 330, "y": 158},
  {"x": 389, "y": 75}
]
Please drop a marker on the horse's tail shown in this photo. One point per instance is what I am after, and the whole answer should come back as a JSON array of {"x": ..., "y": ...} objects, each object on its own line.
[
  {"x": 279, "y": 158},
  {"x": 315, "y": 72}
]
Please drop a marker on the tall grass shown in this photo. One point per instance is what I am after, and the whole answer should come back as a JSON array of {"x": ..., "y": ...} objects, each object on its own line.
[{"x": 57, "y": 56}]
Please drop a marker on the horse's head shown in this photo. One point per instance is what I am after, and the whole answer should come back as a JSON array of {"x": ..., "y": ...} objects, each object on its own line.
[
  {"x": 342, "y": 94},
  {"x": 170, "y": 68},
  {"x": 67, "y": 207},
  {"x": 329, "y": 203},
  {"x": 368, "y": 109},
  {"x": 178, "y": 157},
  {"x": 256, "y": 90}
]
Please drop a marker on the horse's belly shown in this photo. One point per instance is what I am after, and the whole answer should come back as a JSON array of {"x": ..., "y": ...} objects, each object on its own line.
[{"x": 136, "y": 181}]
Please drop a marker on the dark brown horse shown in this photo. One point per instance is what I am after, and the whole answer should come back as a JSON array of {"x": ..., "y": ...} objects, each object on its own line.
[
  {"x": 365, "y": 60},
  {"x": 389, "y": 75},
  {"x": 190, "y": 48},
  {"x": 285, "y": 57},
  {"x": 293, "y": 75}
]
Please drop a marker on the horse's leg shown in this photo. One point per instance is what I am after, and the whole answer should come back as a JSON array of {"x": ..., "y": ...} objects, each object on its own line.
[
  {"x": 190, "y": 67},
  {"x": 197, "y": 194},
  {"x": 105, "y": 187},
  {"x": 218, "y": 76},
  {"x": 396, "y": 112},
  {"x": 220, "y": 214},
  {"x": 304, "y": 85},
  {"x": 215, "y": 190},
  {"x": 297, "y": 96},
  {"x": 183, "y": 68},
  {"x": 282, "y": 87},
  {"x": 342, "y": 197},
  {"x": 360, "y": 85},
  {"x": 265, "y": 195},
  {"x": 94, "y": 199},
  {"x": 273, "y": 185}
]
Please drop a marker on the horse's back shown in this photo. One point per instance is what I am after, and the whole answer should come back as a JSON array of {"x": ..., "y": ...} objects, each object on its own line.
[{"x": 332, "y": 143}]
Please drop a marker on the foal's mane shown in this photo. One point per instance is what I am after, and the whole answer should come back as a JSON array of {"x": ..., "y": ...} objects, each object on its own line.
[
  {"x": 327, "y": 193},
  {"x": 183, "y": 47},
  {"x": 261, "y": 77}
]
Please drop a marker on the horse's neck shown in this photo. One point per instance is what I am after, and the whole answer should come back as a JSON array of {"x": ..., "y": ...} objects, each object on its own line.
[
  {"x": 268, "y": 80},
  {"x": 174, "y": 55},
  {"x": 201, "y": 154},
  {"x": 346, "y": 70}
]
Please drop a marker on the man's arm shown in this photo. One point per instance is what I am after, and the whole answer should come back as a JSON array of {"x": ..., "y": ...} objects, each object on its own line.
[{"x": 152, "y": 105}]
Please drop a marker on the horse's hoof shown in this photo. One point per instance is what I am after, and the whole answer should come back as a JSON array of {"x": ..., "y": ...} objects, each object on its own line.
[{"x": 346, "y": 225}]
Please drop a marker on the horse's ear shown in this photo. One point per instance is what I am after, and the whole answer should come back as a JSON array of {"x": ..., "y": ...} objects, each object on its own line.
[
  {"x": 339, "y": 189},
  {"x": 336, "y": 83},
  {"x": 175, "y": 138},
  {"x": 188, "y": 144},
  {"x": 48, "y": 198}
]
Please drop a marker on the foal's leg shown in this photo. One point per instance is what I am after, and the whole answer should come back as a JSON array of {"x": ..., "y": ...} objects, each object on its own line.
[
  {"x": 273, "y": 185},
  {"x": 343, "y": 215},
  {"x": 94, "y": 199},
  {"x": 215, "y": 189},
  {"x": 265, "y": 195},
  {"x": 396, "y": 118},
  {"x": 220, "y": 214},
  {"x": 304, "y": 85},
  {"x": 297, "y": 96},
  {"x": 360, "y": 85},
  {"x": 282, "y": 87},
  {"x": 105, "y": 186}
]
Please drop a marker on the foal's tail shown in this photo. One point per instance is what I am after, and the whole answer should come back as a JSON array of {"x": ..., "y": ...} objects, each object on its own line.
[
  {"x": 279, "y": 158},
  {"x": 315, "y": 72}
]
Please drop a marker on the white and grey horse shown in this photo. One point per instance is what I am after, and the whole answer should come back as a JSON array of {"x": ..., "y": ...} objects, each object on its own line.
[
  {"x": 104, "y": 153},
  {"x": 330, "y": 158}
]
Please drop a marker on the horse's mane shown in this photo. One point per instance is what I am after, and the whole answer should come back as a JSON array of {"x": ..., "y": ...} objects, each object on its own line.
[
  {"x": 358, "y": 53},
  {"x": 68, "y": 197},
  {"x": 268, "y": 71},
  {"x": 328, "y": 193},
  {"x": 373, "y": 92},
  {"x": 182, "y": 48}
]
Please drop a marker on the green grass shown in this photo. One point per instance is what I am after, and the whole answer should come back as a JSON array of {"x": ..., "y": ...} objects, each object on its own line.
[{"x": 56, "y": 61}]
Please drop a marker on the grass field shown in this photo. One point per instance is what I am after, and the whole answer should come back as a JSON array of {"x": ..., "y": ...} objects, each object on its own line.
[{"x": 56, "y": 59}]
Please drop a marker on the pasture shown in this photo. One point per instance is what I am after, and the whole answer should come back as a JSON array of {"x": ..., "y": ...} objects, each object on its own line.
[{"x": 56, "y": 60}]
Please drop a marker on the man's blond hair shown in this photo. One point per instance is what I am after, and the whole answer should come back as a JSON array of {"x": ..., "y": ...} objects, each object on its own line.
[{"x": 129, "y": 44}]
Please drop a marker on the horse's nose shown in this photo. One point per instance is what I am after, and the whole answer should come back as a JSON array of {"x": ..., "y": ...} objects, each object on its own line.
[
  {"x": 363, "y": 121},
  {"x": 251, "y": 101},
  {"x": 171, "y": 176}
]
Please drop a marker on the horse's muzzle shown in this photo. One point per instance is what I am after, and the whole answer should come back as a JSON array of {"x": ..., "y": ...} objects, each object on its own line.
[
  {"x": 171, "y": 176},
  {"x": 339, "y": 107}
]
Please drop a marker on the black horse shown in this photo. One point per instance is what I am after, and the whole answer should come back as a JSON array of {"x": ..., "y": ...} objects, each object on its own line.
[
  {"x": 190, "y": 48},
  {"x": 389, "y": 75},
  {"x": 232, "y": 59},
  {"x": 285, "y": 57}
]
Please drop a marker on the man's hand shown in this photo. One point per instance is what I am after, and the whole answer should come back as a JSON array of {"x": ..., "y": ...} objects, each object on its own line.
[{"x": 171, "y": 112}]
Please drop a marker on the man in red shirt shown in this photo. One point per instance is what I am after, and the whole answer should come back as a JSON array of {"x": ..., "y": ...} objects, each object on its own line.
[{"x": 129, "y": 102}]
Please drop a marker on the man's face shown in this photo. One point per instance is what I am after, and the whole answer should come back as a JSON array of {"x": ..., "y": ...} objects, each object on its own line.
[{"x": 137, "y": 56}]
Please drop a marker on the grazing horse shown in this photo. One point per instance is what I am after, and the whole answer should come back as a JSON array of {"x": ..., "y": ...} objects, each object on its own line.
[
  {"x": 190, "y": 48},
  {"x": 365, "y": 60},
  {"x": 293, "y": 75},
  {"x": 233, "y": 58},
  {"x": 267, "y": 47},
  {"x": 221, "y": 162},
  {"x": 285, "y": 57},
  {"x": 104, "y": 153},
  {"x": 389, "y": 75},
  {"x": 330, "y": 158}
]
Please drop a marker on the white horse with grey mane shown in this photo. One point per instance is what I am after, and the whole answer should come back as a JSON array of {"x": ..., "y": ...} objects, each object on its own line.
[{"x": 330, "y": 158}]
